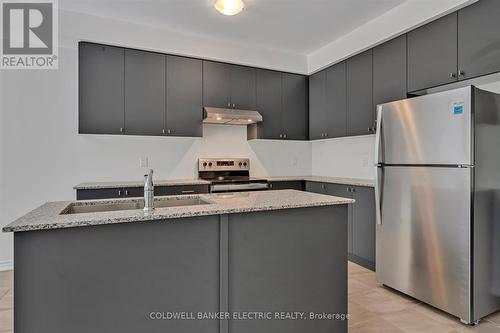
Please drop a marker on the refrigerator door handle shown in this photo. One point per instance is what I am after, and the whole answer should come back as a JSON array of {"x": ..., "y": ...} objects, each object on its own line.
[
  {"x": 379, "y": 180},
  {"x": 378, "y": 139}
]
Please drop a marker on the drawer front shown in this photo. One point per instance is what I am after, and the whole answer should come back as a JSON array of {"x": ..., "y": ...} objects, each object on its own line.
[
  {"x": 102, "y": 193},
  {"x": 288, "y": 185},
  {"x": 179, "y": 190}
]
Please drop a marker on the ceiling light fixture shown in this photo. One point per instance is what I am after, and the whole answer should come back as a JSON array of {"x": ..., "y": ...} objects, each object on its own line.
[{"x": 229, "y": 7}]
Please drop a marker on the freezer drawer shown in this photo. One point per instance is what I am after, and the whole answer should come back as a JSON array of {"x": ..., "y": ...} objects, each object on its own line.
[
  {"x": 432, "y": 129},
  {"x": 423, "y": 240}
]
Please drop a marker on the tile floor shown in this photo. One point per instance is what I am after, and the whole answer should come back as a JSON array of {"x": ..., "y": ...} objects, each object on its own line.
[{"x": 373, "y": 308}]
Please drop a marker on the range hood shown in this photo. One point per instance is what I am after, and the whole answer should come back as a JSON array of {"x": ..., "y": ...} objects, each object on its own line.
[{"x": 230, "y": 116}]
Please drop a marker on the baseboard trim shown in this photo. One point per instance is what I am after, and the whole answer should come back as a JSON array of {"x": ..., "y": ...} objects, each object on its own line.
[
  {"x": 361, "y": 261},
  {"x": 6, "y": 265}
]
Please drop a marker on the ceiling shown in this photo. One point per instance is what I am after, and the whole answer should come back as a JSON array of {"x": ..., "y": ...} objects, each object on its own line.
[{"x": 290, "y": 25}]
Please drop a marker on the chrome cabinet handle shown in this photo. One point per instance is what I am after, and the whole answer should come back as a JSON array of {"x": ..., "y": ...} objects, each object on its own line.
[
  {"x": 168, "y": 131},
  {"x": 281, "y": 135},
  {"x": 127, "y": 192},
  {"x": 234, "y": 105},
  {"x": 187, "y": 191},
  {"x": 120, "y": 193},
  {"x": 121, "y": 129},
  {"x": 284, "y": 136},
  {"x": 228, "y": 105},
  {"x": 461, "y": 73},
  {"x": 163, "y": 131},
  {"x": 453, "y": 75}
]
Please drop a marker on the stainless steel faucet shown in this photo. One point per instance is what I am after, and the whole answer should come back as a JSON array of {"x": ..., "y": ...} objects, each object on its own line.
[{"x": 149, "y": 193}]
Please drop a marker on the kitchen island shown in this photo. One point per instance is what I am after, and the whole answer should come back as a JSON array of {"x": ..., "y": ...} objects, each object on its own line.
[{"x": 270, "y": 261}]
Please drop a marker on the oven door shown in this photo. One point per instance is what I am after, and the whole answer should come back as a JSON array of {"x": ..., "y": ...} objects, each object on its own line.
[{"x": 215, "y": 188}]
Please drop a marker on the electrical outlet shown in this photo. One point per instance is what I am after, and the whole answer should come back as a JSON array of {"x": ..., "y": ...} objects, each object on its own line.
[{"x": 144, "y": 162}]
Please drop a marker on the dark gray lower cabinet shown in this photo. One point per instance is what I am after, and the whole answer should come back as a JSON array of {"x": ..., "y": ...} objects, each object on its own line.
[
  {"x": 286, "y": 261},
  {"x": 135, "y": 192},
  {"x": 184, "y": 111},
  {"x": 288, "y": 185},
  {"x": 144, "y": 92},
  {"x": 101, "y": 94},
  {"x": 361, "y": 225}
]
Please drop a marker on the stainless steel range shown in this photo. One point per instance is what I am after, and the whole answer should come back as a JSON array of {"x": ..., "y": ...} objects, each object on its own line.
[{"x": 229, "y": 175}]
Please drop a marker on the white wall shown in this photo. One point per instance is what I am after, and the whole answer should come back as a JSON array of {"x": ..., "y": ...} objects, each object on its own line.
[
  {"x": 42, "y": 157},
  {"x": 344, "y": 157}
]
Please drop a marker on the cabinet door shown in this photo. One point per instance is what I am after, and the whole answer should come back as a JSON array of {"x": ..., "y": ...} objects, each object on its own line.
[
  {"x": 184, "y": 97},
  {"x": 317, "y": 105},
  {"x": 389, "y": 71},
  {"x": 216, "y": 92},
  {"x": 144, "y": 93},
  {"x": 181, "y": 189},
  {"x": 363, "y": 242},
  {"x": 432, "y": 54},
  {"x": 336, "y": 101},
  {"x": 478, "y": 39},
  {"x": 269, "y": 104},
  {"x": 295, "y": 116},
  {"x": 101, "y": 95},
  {"x": 243, "y": 87},
  {"x": 360, "y": 94}
]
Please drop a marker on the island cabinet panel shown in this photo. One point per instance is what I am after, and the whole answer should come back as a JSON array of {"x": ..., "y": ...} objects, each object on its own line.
[
  {"x": 184, "y": 112},
  {"x": 287, "y": 185},
  {"x": 295, "y": 101},
  {"x": 432, "y": 54},
  {"x": 360, "y": 113},
  {"x": 280, "y": 263},
  {"x": 269, "y": 104},
  {"x": 478, "y": 39},
  {"x": 389, "y": 71},
  {"x": 144, "y": 93},
  {"x": 111, "y": 278},
  {"x": 101, "y": 94}
]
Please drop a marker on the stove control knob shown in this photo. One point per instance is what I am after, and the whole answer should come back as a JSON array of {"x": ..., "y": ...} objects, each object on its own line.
[
  {"x": 204, "y": 164},
  {"x": 209, "y": 164},
  {"x": 240, "y": 164},
  {"x": 244, "y": 163}
]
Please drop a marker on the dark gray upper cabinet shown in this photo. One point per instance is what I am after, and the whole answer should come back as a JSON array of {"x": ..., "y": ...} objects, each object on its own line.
[
  {"x": 295, "y": 100},
  {"x": 269, "y": 104},
  {"x": 216, "y": 85},
  {"x": 432, "y": 54},
  {"x": 243, "y": 87},
  {"x": 184, "y": 112},
  {"x": 227, "y": 86},
  {"x": 317, "y": 105},
  {"x": 144, "y": 92},
  {"x": 360, "y": 118},
  {"x": 336, "y": 101},
  {"x": 479, "y": 39},
  {"x": 101, "y": 95},
  {"x": 389, "y": 71}
]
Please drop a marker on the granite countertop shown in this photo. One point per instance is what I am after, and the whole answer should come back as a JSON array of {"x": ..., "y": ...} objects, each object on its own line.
[
  {"x": 326, "y": 179},
  {"x": 48, "y": 216},
  {"x": 139, "y": 183},
  {"x": 174, "y": 182}
]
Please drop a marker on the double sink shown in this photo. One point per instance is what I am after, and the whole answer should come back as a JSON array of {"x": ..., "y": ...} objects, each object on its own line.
[{"x": 99, "y": 207}]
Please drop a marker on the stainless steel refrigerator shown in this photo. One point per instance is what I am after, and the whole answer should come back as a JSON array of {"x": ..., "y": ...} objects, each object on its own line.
[{"x": 438, "y": 200}]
